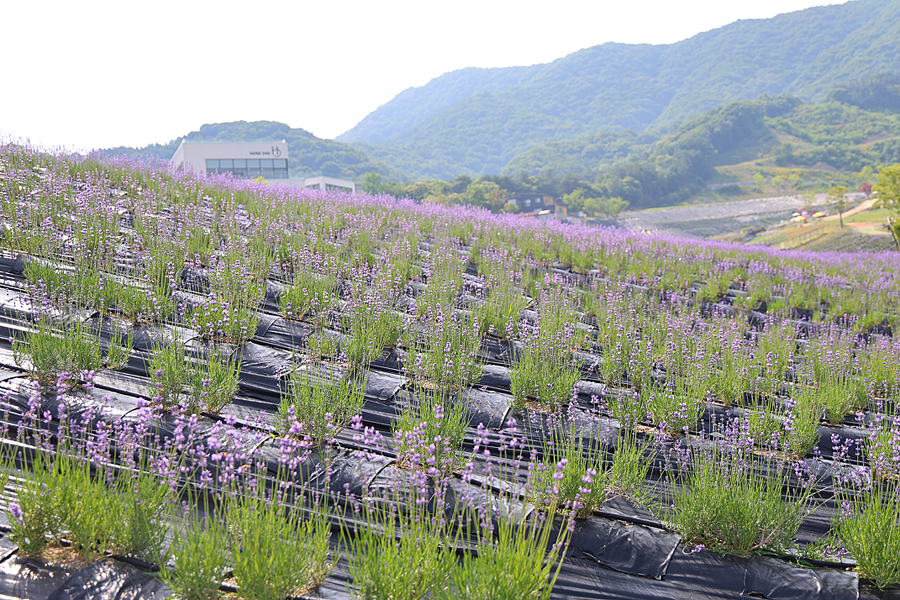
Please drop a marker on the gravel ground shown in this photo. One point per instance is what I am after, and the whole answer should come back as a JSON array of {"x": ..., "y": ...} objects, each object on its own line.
[{"x": 716, "y": 219}]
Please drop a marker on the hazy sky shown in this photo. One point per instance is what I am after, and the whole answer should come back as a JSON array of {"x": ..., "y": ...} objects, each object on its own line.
[{"x": 100, "y": 74}]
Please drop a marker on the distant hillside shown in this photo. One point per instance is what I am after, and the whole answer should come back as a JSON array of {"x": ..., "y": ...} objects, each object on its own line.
[
  {"x": 584, "y": 154},
  {"x": 681, "y": 163},
  {"x": 477, "y": 121},
  {"x": 773, "y": 138},
  {"x": 776, "y": 138},
  {"x": 308, "y": 154},
  {"x": 837, "y": 135}
]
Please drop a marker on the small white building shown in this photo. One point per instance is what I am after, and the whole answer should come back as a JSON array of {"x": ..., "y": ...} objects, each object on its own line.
[
  {"x": 247, "y": 160},
  {"x": 329, "y": 183}
]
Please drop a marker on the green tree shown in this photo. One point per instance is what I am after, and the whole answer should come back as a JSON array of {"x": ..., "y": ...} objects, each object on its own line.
[
  {"x": 867, "y": 173},
  {"x": 448, "y": 199},
  {"x": 611, "y": 207},
  {"x": 888, "y": 187},
  {"x": 422, "y": 189},
  {"x": 758, "y": 180},
  {"x": 496, "y": 196},
  {"x": 614, "y": 206},
  {"x": 783, "y": 154},
  {"x": 575, "y": 200},
  {"x": 459, "y": 184},
  {"x": 837, "y": 200},
  {"x": 476, "y": 194},
  {"x": 372, "y": 183}
]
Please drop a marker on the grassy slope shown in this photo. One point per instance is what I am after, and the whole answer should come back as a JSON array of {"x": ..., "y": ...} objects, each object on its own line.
[{"x": 864, "y": 231}]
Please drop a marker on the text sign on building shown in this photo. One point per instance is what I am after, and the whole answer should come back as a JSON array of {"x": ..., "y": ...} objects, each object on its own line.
[{"x": 275, "y": 152}]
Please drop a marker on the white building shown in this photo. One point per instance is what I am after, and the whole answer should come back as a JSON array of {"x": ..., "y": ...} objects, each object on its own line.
[
  {"x": 247, "y": 160},
  {"x": 329, "y": 183}
]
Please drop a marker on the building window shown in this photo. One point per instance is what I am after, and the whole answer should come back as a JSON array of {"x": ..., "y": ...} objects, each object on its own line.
[
  {"x": 527, "y": 202},
  {"x": 249, "y": 168}
]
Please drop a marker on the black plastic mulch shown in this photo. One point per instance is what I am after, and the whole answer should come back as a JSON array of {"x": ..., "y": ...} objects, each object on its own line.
[{"x": 619, "y": 553}]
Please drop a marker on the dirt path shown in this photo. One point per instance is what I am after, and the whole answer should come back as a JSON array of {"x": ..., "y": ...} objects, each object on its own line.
[{"x": 864, "y": 206}]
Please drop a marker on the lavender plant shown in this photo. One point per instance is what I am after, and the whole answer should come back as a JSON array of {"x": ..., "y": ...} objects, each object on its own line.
[
  {"x": 213, "y": 382},
  {"x": 801, "y": 423},
  {"x": 276, "y": 553},
  {"x": 446, "y": 354},
  {"x": 883, "y": 444},
  {"x": 762, "y": 423},
  {"x": 133, "y": 302},
  {"x": 321, "y": 346},
  {"x": 63, "y": 285},
  {"x": 515, "y": 560},
  {"x": 92, "y": 518},
  {"x": 168, "y": 372},
  {"x": 629, "y": 470},
  {"x": 572, "y": 468},
  {"x": 308, "y": 295},
  {"x": 549, "y": 384},
  {"x": 430, "y": 432},
  {"x": 502, "y": 301},
  {"x": 676, "y": 408},
  {"x": 144, "y": 499},
  {"x": 839, "y": 398},
  {"x": 869, "y": 528},
  {"x": 120, "y": 349},
  {"x": 72, "y": 349},
  {"x": 236, "y": 290},
  {"x": 629, "y": 408},
  {"x": 373, "y": 324},
  {"x": 546, "y": 371},
  {"x": 724, "y": 504},
  {"x": 200, "y": 555},
  {"x": 321, "y": 401},
  {"x": 878, "y": 368},
  {"x": 444, "y": 280},
  {"x": 35, "y": 515},
  {"x": 399, "y": 556}
]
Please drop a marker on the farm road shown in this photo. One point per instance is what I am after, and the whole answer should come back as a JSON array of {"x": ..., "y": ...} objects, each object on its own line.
[{"x": 865, "y": 205}]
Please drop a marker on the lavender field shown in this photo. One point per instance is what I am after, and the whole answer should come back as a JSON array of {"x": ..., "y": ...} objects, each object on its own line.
[{"x": 212, "y": 386}]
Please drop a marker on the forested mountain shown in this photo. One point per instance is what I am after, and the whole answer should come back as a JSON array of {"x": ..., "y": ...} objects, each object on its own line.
[
  {"x": 644, "y": 168},
  {"x": 681, "y": 163},
  {"x": 771, "y": 144},
  {"x": 584, "y": 154},
  {"x": 477, "y": 121},
  {"x": 307, "y": 153},
  {"x": 878, "y": 92}
]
